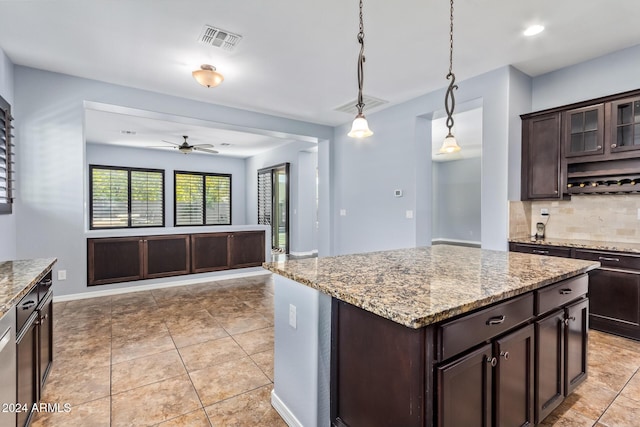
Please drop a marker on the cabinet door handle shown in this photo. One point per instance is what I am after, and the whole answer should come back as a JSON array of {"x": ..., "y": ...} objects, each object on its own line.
[
  {"x": 565, "y": 291},
  {"x": 566, "y": 321},
  {"x": 28, "y": 304},
  {"x": 540, "y": 252},
  {"x": 505, "y": 354},
  {"x": 614, "y": 145},
  {"x": 604, "y": 258},
  {"x": 599, "y": 147},
  {"x": 492, "y": 361},
  {"x": 496, "y": 320}
]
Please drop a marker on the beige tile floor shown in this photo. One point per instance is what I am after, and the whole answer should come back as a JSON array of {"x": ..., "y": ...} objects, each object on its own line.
[
  {"x": 199, "y": 355},
  {"x": 202, "y": 355}
]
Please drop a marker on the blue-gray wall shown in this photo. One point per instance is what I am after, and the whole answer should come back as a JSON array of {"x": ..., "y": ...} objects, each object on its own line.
[
  {"x": 7, "y": 222},
  {"x": 456, "y": 200},
  {"x": 398, "y": 156}
]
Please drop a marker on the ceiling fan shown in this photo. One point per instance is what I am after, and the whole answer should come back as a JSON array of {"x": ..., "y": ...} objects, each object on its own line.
[{"x": 187, "y": 148}]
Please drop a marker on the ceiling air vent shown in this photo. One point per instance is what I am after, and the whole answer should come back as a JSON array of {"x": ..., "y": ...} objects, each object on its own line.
[
  {"x": 212, "y": 36},
  {"x": 369, "y": 104}
]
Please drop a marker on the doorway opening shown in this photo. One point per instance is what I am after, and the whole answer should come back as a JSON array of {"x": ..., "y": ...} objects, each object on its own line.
[{"x": 273, "y": 205}]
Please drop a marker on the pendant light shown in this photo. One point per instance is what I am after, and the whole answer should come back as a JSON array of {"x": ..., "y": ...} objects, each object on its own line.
[
  {"x": 450, "y": 145},
  {"x": 208, "y": 76},
  {"x": 360, "y": 127}
]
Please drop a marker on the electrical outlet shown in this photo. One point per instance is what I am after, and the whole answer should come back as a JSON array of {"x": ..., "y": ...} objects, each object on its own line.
[
  {"x": 544, "y": 211},
  {"x": 409, "y": 214},
  {"x": 62, "y": 274},
  {"x": 292, "y": 316},
  {"x": 343, "y": 212}
]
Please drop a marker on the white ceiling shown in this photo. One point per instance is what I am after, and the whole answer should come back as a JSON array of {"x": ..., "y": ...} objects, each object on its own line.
[{"x": 297, "y": 58}]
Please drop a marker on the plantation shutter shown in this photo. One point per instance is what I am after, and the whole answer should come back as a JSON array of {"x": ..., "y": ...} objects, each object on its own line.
[
  {"x": 189, "y": 195},
  {"x": 264, "y": 197},
  {"x": 7, "y": 163},
  {"x": 147, "y": 199},
  {"x": 218, "y": 207},
  {"x": 110, "y": 198}
]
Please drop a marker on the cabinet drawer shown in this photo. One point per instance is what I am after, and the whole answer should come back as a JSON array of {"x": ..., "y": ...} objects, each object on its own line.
[
  {"x": 44, "y": 285},
  {"x": 610, "y": 259},
  {"x": 468, "y": 331},
  {"x": 25, "y": 308},
  {"x": 541, "y": 250},
  {"x": 560, "y": 294}
]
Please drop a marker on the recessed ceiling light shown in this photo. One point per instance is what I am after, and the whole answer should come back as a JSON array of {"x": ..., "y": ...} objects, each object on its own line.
[{"x": 533, "y": 30}]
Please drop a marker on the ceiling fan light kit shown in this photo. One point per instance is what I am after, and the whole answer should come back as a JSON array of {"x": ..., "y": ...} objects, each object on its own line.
[
  {"x": 208, "y": 76},
  {"x": 186, "y": 148}
]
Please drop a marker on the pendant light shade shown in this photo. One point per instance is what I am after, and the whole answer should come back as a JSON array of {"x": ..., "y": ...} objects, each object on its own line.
[
  {"x": 208, "y": 76},
  {"x": 360, "y": 127},
  {"x": 449, "y": 145}
]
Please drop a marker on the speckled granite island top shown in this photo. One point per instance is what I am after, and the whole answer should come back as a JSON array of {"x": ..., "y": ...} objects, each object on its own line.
[
  {"x": 420, "y": 286},
  {"x": 18, "y": 277},
  {"x": 582, "y": 244}
]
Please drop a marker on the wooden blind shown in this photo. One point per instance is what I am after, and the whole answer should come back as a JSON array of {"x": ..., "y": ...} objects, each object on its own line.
[
  {"x": 7, "y": 163},
  {"x": 202, "y": 198},
  {"x": 126, "y": 197}
]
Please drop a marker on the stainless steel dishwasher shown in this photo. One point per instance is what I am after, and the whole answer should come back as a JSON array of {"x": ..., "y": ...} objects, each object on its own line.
[{"x": 8, "y": 368}]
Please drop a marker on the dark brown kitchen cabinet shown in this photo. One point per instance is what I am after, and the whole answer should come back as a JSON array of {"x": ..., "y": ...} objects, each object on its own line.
[
  {"x": 507, "y": 363},
  {"x": 123, "y": 259},
  {"x": 561, "y": 355},
  {"x": 625, "y": 125},
  {"x": 468, "y": 379},
  {"x": 584, "y": 131},
  {"x": 210, "y": 252},
  {"x": 542, "y": 172},
  {"x": 246, "y": 249},
  {"x": 34, "y": 347},
  {"x": 112, "y": 260},
  {"x": 540, "y": 249},
  {"x": 167, "y": 255}
]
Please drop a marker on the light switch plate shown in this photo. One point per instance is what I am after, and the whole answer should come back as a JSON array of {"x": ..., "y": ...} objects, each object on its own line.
[
  {"x": 62, "y": 274},
  {"x": 343, "y": 212},
  {"x": 409, "y": 214},
  {"x": 292, "y": 316}
]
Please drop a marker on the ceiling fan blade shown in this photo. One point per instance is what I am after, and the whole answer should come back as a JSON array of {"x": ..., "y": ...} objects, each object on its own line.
[
  {"x": 204, "y": 145},
  {"x": 169, "y": 142},
  {"x": 158, "y": 146},
  {"x": 206, "y": 150}
]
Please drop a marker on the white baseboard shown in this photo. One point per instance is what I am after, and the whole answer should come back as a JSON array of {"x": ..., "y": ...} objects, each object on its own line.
[
  {"x": 284, "y": 412},
  {"x": 184, "y": 282},
  {"x": 307, "y": 253},
  {"x": 471, "y": 243}
]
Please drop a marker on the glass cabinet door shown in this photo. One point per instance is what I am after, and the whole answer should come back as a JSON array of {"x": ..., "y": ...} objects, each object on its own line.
[
  {"x": 584, "y": 131},
  {"x": 625, "y": 125}
]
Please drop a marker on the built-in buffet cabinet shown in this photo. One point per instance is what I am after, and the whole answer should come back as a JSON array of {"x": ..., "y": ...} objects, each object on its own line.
[
  {"x": 584, "y": 148},
  {"x": 124, "y": 259},
  {"x": 614, "y": 288}
]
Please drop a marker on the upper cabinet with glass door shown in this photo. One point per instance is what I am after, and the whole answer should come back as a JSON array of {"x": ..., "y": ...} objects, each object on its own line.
[
  {"x": 584, "y": 131},
  {"x": 625, "y": 125}
]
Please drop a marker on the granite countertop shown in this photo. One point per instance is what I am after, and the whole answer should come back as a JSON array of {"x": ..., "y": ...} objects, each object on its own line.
[
  {"x": 582, "y": 244},
  {"x": 420, "y": 286},
  {"x": 18, "y": 277}
]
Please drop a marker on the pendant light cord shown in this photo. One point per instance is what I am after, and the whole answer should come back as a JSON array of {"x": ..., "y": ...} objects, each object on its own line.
[
  {"x": 360, "y": 104},
  {"x": 449, "y": 98}
]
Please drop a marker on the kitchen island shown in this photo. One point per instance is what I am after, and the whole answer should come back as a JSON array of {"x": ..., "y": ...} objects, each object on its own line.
[{"x": 444, "y": 335}]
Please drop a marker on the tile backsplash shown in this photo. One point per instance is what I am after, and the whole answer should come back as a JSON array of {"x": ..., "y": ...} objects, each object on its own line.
[{"x": 611, "y": 218}]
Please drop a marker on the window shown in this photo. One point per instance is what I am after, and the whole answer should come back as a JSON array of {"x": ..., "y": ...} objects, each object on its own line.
[
  {"x": 126, "y": 197},
  {"x": 202, "y": 198},
  {"x": 6, "y": 158}
]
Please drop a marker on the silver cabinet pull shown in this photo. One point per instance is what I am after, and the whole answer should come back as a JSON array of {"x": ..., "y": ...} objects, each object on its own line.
[
  {"x": 496, "y": 320},
  {"x": 492, "y": 361},
  {"x": 566, "y": 291},
  {"x": 540, "y": 251},
  {"x": 505, "y": 354},
  {"x": 604, "y": 258}
]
